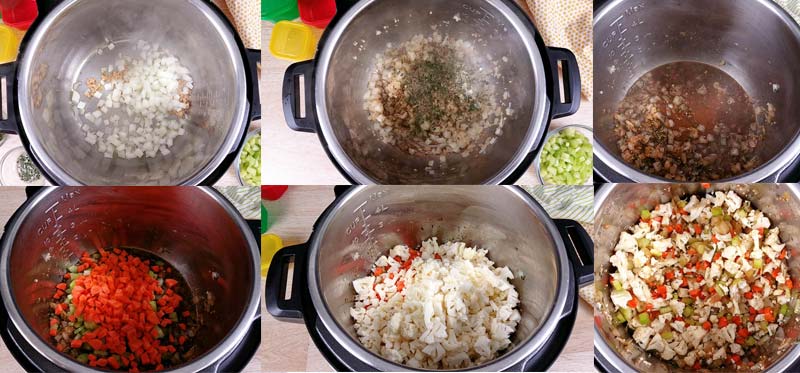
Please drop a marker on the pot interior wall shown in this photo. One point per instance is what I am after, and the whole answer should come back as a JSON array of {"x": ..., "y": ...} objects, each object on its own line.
[
  {"x": 185, "y": 226},
  {"x": 744, "y": 38},
  {"x": 621, "y": 209},
  {"x": 374, "y": 219},
  {"x": 493, "y": 34},
  {"x": 67, "y": 55}
]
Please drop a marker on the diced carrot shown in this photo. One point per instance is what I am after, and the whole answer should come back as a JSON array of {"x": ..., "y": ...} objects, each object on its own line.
[
  {"x": 743, "y": 332},
  {"x": 170, "y": 282},
  {"x": 706, "y": 185},
  {"x": 437, "y": 256},
  {"x": 61, "y": 286},
  {"x": 707, "y": 325},
  {"x": 378, "y": 271}
]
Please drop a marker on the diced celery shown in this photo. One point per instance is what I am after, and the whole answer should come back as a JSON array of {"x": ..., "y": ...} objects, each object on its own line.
[
  {"x": 688, "y": 311},
  {"x": 617, "y": 285},
  {"x": 666, "y": 335},
  {"x": 644, "y": 318},
  {"x": 665, "y": 309},
  {"x": 716, "y": 211},
  {"x": 758, "y": 263},
  {"x": 643, "y": 243},
  {"x": 645, "y": 214}
]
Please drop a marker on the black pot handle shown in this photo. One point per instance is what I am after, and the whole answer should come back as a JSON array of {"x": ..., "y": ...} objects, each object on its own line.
[
  {"x": 580, "y": 249},
  {"x": 8, "y": 74},
  {"x": 572, "y": 82},
  {"x": 253, "y": 60},
  {"x": 291, "y": 97},
  {"x": 343, "y": 6},
  {"x": 238, "y": 359},
  {"x": 789, "y": 174},
  {"x": 278, "y": 305}
]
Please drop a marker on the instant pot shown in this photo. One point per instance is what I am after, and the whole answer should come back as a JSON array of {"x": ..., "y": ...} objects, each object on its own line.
[
  {"x": 195, "y": 229},
  {"x": 618, "y": 206},
  {"x": 60, "y": 50},
  {"x": 555, "y": 257},
  {"x": 334, "y": 83},
  {"x": 754, "y": 41}
]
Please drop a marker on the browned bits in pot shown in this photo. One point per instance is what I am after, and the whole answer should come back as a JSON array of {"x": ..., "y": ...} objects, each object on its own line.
[
  {"x": 94, "y": 87},
  {"x": 690, "y": 121}
]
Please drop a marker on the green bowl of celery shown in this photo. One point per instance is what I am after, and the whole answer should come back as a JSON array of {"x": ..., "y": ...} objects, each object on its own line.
[
  {"x": 248, "y": 163},
  {"x": 566, "y": 157}
]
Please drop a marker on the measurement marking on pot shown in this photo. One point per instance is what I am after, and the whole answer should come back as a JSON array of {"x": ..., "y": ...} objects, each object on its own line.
[{"x": 362, "y": 219}]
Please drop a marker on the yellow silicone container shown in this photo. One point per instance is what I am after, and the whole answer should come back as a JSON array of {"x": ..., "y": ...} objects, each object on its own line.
[
  {"x": 9, "y": 43},
  {"x": 293, "y": 41}
]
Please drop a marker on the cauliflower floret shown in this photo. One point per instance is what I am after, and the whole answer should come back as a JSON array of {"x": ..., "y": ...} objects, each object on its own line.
[
  {"x": 694, "y": 335},
  {"x": 733, "y": 201},
  {"x": 620, "y": 298},
  {"x": 668, "y": 353},
  {"x": 680, "y": 347},
  {"x": 656, "y": 343},
  {"x": 719, "y": 354},
  {"x": 642, "y": 336},
  {"x": 639, "y": 259},
  {"x": 626, "y": 243}
]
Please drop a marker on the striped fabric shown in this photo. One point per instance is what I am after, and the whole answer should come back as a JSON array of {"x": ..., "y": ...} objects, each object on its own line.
[
  {"x": 246, "y": 199},
  {"x": 792, "y": 6},
  {"x": 574, "y": 202}
]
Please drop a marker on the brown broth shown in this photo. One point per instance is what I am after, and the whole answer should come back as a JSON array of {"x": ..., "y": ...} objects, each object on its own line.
[{"x": 689, "y": 121}]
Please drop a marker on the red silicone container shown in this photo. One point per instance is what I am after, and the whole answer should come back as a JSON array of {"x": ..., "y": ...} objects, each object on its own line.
[
  {"x": 317, "y": 13},
  {"x": 21, "y": 16}
]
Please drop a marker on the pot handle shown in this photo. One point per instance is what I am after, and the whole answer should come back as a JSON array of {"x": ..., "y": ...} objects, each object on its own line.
[
  {"x": 343, "y": 6},
  {"x": 291, "y": 97},
  {"x": 580, "y": 249},
  {"x": 253, "y": 60},
  {"x": 8, "y": 76},
  {"x": 788, "y": 174},
  {"x": 572, "y": 82},
  {"x": 238, "y": 359},
  {"x": 279, "y": 304}
]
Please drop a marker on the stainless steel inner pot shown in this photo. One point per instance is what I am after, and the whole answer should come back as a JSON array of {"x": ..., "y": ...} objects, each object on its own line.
[
  {"x": 366, "y": 221},
  {"x": 346, "y": 59},
  {"x": 62, "y": 50},
  {"x": 754, "y": 41},
  {"x": 617, "y": 207},
  {"x": 194, "y": 229}
]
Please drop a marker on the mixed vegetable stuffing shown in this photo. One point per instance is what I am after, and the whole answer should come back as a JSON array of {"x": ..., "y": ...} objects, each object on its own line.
[
  {"x": 703, "y": 283},
  {"x": 117, "y": 309}
]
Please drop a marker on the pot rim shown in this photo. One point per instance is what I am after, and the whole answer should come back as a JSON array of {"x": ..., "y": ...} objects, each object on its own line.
[
  {"x": 519, "y": 354},
  {"x": 539, "y": 119},
  {"x": 609, "y": 355},
  {"x": 239, "y": 122},
  {"x": 775, "y": 166},
  {"x": 217, "y": 353}
]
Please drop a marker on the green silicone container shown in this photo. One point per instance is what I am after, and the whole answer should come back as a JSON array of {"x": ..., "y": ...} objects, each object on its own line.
[{"x": 279, "y": 10}]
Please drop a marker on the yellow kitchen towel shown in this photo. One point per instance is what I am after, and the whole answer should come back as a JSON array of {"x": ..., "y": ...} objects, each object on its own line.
[
  {"x": 568, "y": 24},
  {"x": 247, "y": 17}
]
